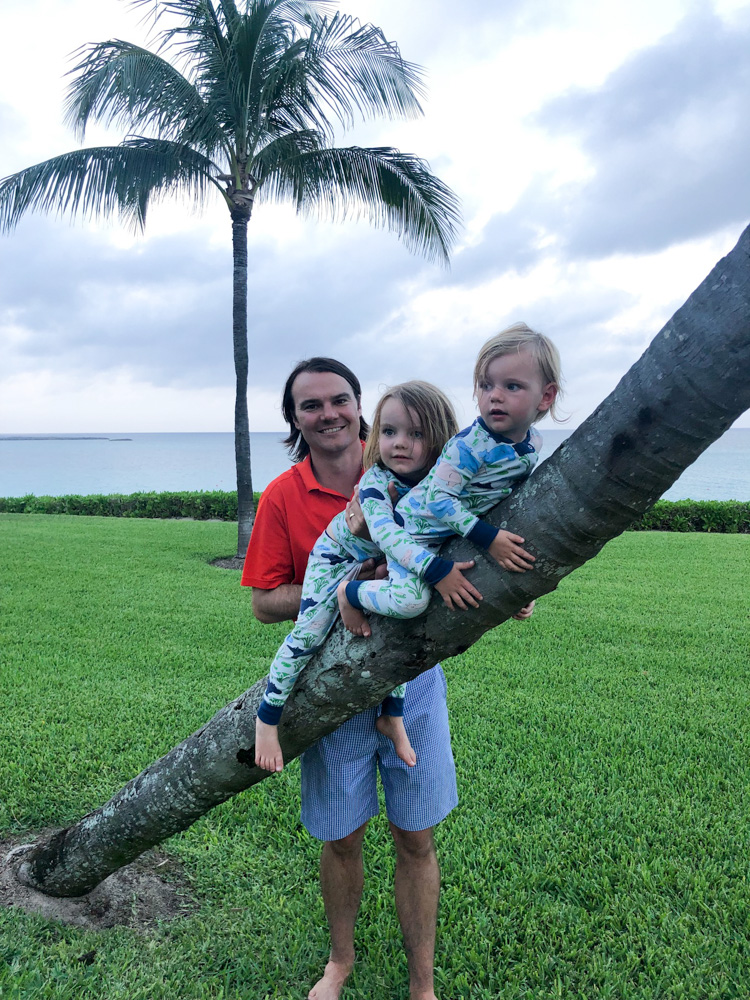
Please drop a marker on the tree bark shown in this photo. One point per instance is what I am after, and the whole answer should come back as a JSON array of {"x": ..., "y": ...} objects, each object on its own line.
[
  {"x": 245, "y": 502},
  {"x": 684, "y": 392}
]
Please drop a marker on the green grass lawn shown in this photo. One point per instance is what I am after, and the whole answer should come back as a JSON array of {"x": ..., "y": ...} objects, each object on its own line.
[{"x": 601, "y": 846}]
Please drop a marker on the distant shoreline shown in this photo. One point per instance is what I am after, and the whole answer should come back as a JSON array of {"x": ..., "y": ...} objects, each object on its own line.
[{"x": 58, "y": 437}]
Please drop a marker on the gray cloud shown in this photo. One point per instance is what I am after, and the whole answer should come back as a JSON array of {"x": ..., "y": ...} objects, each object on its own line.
[
  {"x": 163, "y": 307},
  {"x": 668, "y": 136}
]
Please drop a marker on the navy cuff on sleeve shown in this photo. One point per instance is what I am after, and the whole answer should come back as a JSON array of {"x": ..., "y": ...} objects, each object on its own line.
[
  {"x": 270, "y": 714},
  {"x": 352, "y": 593},
  {"x": 392, "y": 706},
  {"x": 437, "y": 570},
  {"x": 482, "y": 534}
]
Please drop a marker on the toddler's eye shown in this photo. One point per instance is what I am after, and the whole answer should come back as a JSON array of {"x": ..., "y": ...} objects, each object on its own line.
[
  {"x": 419, "y": 435},
  {"x": 513, "y": 386}
]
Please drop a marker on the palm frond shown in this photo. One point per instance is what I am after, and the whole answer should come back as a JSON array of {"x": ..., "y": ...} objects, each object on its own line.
[
  {"x": 106, "y": 180},
  {"x": 116, "y": 82},
  {"x": 353, "y": 69},
  {"x": 281, "y": 149},
  {"x": 341, "y": 71},
  {"x": 393, "y": 190}
]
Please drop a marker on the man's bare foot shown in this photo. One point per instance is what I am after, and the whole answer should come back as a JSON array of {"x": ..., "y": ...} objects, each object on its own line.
[
  {"x": 353, "y": 618},
  {"x": 330, "y": 985},
  {"x": 268, "y": 753},
  {"x": 393, "y": 727}
]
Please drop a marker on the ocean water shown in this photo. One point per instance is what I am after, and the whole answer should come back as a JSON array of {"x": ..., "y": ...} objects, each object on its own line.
[{"x": 54, "y": 465}]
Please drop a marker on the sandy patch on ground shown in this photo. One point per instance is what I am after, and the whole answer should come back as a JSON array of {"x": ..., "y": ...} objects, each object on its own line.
[
  {"x": 228, "y": 563},
  {"x": 150, "y": 889}
]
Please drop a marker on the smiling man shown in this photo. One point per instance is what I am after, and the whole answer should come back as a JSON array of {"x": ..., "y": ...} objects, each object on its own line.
[{"x": 321, "y": 403}]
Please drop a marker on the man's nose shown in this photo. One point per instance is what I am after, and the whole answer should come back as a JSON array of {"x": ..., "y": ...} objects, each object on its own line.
[{"x": 329, "y": 411}]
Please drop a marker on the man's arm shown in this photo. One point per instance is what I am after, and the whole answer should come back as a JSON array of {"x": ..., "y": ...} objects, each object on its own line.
[{"x": 278, "y": 605}]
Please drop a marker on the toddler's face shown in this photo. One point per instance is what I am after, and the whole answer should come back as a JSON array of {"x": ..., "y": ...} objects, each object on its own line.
[
  {"x": 512, "y": 393},
  {"x": 401, "y": 440}
]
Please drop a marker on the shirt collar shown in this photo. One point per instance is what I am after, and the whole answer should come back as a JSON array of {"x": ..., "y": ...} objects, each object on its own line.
[
  {"x": 520, "y": 447},
  {"x": 309, "y": 481}
]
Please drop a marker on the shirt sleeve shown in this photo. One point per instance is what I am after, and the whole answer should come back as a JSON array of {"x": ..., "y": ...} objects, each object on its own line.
[
  {"x": 458, "y": 465},
  {"x": 390, "y": 536},
  {"x": 270, "y": 559}
]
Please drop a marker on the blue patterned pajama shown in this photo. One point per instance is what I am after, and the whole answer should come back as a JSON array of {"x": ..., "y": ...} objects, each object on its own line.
[
  {"x": 475, "y": 471},
  {"x": 336, "y": 554}
]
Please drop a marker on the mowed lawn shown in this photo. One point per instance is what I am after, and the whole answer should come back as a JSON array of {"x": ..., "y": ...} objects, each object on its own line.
[{"x": 601, "y": 848}]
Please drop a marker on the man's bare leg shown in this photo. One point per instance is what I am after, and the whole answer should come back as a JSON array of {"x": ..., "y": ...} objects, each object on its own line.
[
  {"x": 341, "y": 881},
  {"x": 417, "y": 894}
]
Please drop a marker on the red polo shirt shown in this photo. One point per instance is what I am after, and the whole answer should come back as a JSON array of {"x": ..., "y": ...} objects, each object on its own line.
[{"x": 293, "y": 513}]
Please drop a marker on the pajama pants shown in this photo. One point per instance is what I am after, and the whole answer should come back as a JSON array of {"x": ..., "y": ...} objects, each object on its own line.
[
  {"x": 401, "y": 595},
  {"x": 330, "y": 562}
]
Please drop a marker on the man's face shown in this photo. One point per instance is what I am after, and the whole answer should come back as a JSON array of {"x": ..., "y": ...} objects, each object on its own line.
[{"x": 326, "y": 412}]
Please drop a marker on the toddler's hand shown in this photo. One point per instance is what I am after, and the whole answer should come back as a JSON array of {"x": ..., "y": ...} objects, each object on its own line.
[
  {"x": 456, "y": 590},
  {"x": 508, "y": 550},
  {"x": 526, "y": 612}
]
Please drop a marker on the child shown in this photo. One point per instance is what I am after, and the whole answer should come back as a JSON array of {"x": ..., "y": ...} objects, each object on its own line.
[
  {"x": 516, "y": 381},
  {"x": 412, "y": 422}
]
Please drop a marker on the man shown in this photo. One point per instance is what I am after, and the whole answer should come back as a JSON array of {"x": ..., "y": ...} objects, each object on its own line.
[{"x": 321, "y": 403}]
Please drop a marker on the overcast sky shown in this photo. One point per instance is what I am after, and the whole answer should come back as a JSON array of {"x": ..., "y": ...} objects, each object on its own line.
[{"x": 600, "y": 152}]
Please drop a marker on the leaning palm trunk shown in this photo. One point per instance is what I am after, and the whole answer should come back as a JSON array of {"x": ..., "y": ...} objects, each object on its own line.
[{"x": 689, "y": 386}]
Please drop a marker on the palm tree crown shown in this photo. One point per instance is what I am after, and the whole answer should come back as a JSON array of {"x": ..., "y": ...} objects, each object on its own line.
[{"x": 247, "y": 108}]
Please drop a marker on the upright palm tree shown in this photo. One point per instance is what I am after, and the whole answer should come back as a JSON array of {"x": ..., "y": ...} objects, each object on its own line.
[{"x": 250, "y": 114}]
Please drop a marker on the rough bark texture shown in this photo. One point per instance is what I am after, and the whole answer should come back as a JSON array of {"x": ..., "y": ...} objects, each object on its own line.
[
  {"x": 689, "y": 386},
  {"x": 245, "y": 504}
]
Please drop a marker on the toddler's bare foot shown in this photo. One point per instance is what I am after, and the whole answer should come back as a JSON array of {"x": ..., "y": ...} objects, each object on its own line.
[
  {"x": 353, "y": 618},
  {"x": 393, "y": 727},
  {"x": 330, "y": 985},
  {"x": 268, "y": 753}
]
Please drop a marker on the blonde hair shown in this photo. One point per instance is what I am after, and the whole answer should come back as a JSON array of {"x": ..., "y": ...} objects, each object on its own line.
[
  {"x": 519, "y": 337},
  {"x": 434, "y": 412}
]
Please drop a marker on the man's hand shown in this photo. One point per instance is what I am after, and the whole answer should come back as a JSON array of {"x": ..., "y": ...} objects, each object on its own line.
[
  {"x": 526, "y": 612},
  {"x": 355, "y": 519},
  {"x": 508, "y": 550},
  {"x": 456, "y": 590}
]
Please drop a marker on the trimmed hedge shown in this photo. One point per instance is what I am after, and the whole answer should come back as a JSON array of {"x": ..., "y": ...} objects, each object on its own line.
[
  {"x": 201, "y": 506},
  {"x": 723, "y": 516}
]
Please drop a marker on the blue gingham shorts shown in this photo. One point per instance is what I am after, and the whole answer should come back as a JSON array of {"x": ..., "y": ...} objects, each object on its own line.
[{"x": 339, "y": 772}]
